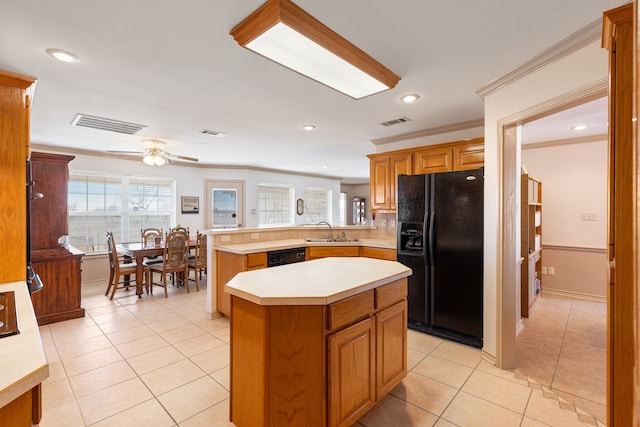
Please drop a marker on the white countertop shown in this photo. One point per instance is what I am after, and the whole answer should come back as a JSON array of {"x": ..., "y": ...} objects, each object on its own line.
[
  {"x": 317, "y": 282},
  {"x": 272, "y": 245},
  {"x": 24, "y": 363}
]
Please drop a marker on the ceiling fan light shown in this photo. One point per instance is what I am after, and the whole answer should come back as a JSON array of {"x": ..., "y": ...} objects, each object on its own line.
[
  {"x": 160, "y": 161},
  {"x": 149, "y": 159}
]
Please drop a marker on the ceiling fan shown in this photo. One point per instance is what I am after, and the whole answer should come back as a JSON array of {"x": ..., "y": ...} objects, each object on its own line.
[{"x": 154, "y": 154}]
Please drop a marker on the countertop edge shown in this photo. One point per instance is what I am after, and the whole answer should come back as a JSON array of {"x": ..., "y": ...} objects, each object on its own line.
[{"x": 306, "y": 299}]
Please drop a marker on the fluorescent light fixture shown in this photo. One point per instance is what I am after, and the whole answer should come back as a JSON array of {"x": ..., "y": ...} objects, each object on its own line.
[
  {"x": 62, "y": 55},
  {"x": 281, "y": 31},
  {"x": 309, "y": 127}
]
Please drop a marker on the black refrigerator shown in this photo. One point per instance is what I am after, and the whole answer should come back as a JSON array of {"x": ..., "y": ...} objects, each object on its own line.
[{"x": 440, "y": 237}]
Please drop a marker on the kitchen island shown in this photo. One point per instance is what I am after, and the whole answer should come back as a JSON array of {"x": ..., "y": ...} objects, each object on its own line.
[{"x": 316, "y": 343}]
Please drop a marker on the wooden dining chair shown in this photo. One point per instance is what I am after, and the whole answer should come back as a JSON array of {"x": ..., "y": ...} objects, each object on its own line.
[
  {"x": 198, "y": 262},
  {"x": 174, "y": 261},
  {"x": 148, "y": 237},
  {"x": 118, "y": 269}
]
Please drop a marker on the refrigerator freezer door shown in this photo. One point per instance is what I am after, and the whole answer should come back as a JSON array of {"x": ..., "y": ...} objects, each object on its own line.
[
  {"x": 417, "y": 291},
  {"x": 457, "y": 206},
  {"x": 411, "y": 202}
]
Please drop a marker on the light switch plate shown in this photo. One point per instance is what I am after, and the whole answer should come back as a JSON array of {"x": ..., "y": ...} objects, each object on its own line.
[
  {"x": 255, "y": 236},
  {"x": 225, "y": 238},
  {"x": 589, "y": 216}
]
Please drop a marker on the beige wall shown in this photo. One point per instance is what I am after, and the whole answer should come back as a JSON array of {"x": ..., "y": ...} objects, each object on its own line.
[
  {"x": 574, "y": 180},
  {"x": 579, "y": 273}
]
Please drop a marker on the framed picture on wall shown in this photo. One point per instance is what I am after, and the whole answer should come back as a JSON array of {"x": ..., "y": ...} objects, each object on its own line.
[{"x": 190, "y": 204}]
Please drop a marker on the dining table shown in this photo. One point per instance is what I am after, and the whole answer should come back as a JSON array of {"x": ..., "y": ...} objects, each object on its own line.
[{"x": 138, "y": 252}]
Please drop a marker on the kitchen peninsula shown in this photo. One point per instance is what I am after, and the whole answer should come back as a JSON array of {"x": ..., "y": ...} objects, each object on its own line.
[{"x": 316, "y": 343}]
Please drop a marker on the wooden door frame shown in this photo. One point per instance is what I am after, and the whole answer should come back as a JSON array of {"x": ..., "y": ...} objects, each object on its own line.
[{"x": 509, "y": 172}]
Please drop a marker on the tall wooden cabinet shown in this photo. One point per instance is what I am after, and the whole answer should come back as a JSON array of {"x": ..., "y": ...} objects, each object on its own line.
[
  {"x": 530, "y": 242},
  {"x": 15, "y": 100},
  {"x": 59, "y": 267},
  {"x": 385, "y": 167}
]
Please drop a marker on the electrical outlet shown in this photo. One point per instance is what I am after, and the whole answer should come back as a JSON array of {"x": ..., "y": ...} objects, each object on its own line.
[
  {"x": 589, "y": 216},
  {"x": 551, "y": 271},
  {"x": 392, "y": 223},
  {"x": 255, "y": 236},
  {"x": 544, "y": 269},
  {"x": 383, "y": 222},
  {"x": 225, "y": 238}
]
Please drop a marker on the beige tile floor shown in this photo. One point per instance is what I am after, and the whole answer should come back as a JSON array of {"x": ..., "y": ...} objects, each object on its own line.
[
  {"x": 563, "y": 347},
  {"x": 160, "y": 362}
]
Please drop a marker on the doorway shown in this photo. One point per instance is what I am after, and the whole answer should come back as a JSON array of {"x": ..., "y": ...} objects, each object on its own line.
[
  {"x": 224, "y": 204},
  {"x": 509, "y": 148}
]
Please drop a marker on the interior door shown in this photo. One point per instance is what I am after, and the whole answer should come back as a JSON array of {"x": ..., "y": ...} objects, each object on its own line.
[{"x": 225, "y": 204}]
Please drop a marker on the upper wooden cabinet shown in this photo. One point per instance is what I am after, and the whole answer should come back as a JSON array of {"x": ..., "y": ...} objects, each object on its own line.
[
  {"x": 430, "y": 160},
  {"x": 385, "y": 167},
  {"x": 469, "y": 155},
  {"x": 383, "y": 178}
]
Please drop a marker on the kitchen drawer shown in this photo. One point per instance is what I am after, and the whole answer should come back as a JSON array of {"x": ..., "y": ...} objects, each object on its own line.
[
  {"x": 329, "y": 251},
  {"x": 389, "y": 294},
  {"x": 256, "y": 261},
  {"x": 349, "y": 310}
]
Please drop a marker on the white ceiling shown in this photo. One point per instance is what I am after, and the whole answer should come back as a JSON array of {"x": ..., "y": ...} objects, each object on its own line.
[{"x": 173, "y": 67}]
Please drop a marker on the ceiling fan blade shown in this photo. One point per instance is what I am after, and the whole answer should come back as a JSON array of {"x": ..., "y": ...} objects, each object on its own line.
[
  {"x": 125, "y": 152},
  {"x": 190, "y": 159}
]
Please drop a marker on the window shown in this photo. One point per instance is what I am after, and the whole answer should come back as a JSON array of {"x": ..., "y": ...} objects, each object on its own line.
[
  {"x": 121, "y": 204},
  {"x": 343, "y": 208},
  {"x": 317, "y": 205},
  {"x": 275, "y": 205}
]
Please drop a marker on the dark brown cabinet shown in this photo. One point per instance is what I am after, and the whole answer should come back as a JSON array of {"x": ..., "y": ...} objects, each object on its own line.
[{"x": 59, "y": 267}]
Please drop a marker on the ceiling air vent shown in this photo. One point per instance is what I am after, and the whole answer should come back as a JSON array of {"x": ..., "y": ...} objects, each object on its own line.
[
  {"x": 396, "y": 121},
  {"x": 213, "y": 133},
  {"x": 106, "y": 124}
]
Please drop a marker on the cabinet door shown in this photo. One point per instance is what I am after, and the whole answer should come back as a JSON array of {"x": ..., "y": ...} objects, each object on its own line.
[
  {"x": 379, "y": 183},
  {"x": 351, "y": 373},
  {"x": 256, "y": 261},
  {"x": 315, "y": 252},
  {"x": 227, "y": 266},
  {"x": 391, "y": 348},
  {"x": 468, "y": 156},
  {"x": 399, "y": 165},
  {"x": 378, "y": 253},
  {"x": 433, "y": 160}
]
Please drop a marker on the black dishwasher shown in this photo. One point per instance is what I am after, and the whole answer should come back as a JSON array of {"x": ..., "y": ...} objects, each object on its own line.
[{"x": 285, "y": 256}]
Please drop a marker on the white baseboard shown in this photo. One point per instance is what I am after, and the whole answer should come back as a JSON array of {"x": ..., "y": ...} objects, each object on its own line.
[{"x": 576, "y": 295}]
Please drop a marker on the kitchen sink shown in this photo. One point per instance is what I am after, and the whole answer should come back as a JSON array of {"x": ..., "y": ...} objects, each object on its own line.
[{"x": 325, "y": 240}]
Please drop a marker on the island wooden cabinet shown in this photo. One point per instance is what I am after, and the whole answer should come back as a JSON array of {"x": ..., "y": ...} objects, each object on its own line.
[
  {"x": 317, "y": 365},
  {"x": 385, "y": 167},
  {"x": 367, "y": 359},
  {"x": 227, "y": 266}
]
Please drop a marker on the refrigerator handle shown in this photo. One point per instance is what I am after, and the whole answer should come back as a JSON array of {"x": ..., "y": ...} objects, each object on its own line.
[{"x": 431, "y": 238}]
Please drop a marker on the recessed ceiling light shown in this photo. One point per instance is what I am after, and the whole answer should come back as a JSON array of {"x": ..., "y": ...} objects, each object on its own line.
[
  {"x": 62, "y": 55},
  {"x": 309, "y": 127},
  {"x": 410, "y": 98},
  {"x": 581, "y": 126}
]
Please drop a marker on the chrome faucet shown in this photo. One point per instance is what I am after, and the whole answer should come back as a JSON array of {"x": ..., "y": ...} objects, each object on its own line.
[{"x": 330, "y": 229}]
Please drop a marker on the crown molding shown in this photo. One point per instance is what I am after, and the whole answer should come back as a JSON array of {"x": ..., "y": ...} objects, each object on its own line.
[
  {"x": 470, "y": 124},
  {"x": 566, "y": 141},
  {"x": 565, "y": 47},
  {"x": 74, "y": 151}
]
